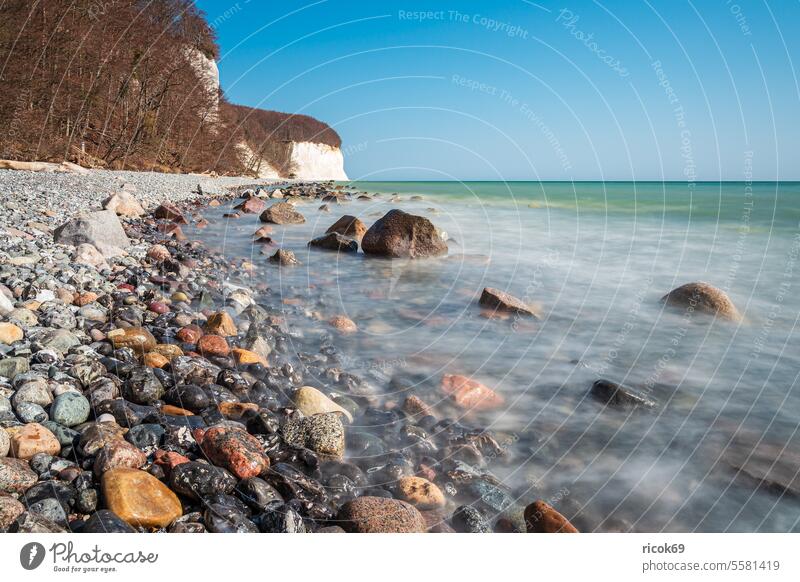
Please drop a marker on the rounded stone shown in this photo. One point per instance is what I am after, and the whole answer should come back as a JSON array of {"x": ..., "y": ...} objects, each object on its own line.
[
  {"x": 31, "y": 439},
  {"x": 703, "y": 298},
  {"x": 213, "y": 345},
  {"x": 140, "y": 499},
  {"x": 380, "y": 515},
  {"x": 311, "y": 401},
  {"x": 420, "y": 493},
  {"x": 10, "y": 510},
  {"x": 70, "y": 409},
  {"x": 10, "y": 333},
  {"x": 543, "y": 518},
  {"x": 5, "y": 442}
]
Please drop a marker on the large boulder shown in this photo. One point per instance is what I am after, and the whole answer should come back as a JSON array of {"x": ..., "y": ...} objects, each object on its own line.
[
  {"x": 348, "y": 226},
  {"x": 124, "y": 204},
  {"x": 703, "y": 298},
  {"x": 101, "y": 229},
  {"x": 282, "y": 213},
  {"x": 399, "y": 234}
]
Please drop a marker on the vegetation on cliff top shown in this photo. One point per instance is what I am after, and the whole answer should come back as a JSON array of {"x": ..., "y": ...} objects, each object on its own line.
[{"x": 116, "y": 84}]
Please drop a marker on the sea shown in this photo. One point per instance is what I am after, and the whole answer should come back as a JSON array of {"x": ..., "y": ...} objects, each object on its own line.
[{"x": 719, "y": 451}]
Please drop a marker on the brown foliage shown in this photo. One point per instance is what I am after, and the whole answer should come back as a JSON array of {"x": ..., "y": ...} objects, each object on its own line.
[{"x": 113, "y": 83}]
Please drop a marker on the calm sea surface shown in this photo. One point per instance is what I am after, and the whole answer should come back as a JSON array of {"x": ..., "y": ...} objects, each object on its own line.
[{"x": 596, "y": 257}]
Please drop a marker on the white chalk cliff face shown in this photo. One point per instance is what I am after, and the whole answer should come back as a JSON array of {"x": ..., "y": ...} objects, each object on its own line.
[
  {"x": 317, "y": 161},
  {"x": 208, "y": 72},
  {"x": 309, "y": 161}
]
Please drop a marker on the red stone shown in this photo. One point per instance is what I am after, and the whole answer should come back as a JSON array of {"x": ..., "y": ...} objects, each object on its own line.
[
  {"x": 169, "y": 459},
  {"x": 190, "y": 334},
  {"x": 233, "y": 449},
  {"x": 469, "y": 394},
  {"x": 158, "y": 307},
  {"x": 170, "y": 212},
  {"x": 213, "y": 345},
  {"x": 251, "y": 206},
  {"x": 126, "y": 287}
]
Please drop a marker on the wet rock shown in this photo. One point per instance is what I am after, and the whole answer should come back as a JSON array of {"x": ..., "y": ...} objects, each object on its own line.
[
  {"x": 221, "y": 324},
  {"x": 234, "y": 449},
  {"x": 221, "y": 518},
  {"x": 145, "y": 436},
  {"x": 30, "y": 439},
  {"x": 257, "y": 493},
  {"x": 349, "y": 226},
  {"x": 105, "y": 521},
  {"x": 170, "y": 212},
  {"x": 284, "y": 258},
  {"x": 280, "y": 518},
  {"x": 770, "y": 465},
  {"x": 70, "y": 409},
  {"x": 542, "y": 518},
  {"x": 702, "y": 298},
  {"x": 343, "y": 324},
  {"x": 282, "y": 213},
  {"x": 101, "y": 229},
  {"x": 619, "y": 396},
  {"x": 198, "y": 480},
  {"x": 501, "y": 301},
  {"x": 189, "y": 334},
  {"x": 311, "y": 401},
  {"x": 467, "y": 519},
  {"x": 212, "y": 345},
  {"x": 322, "y": 433},
  {"x": 470, "y": 394},
  {"x": 16, "y": 476},
  {"x": 116, "y": 454},
  {"x": 139, "y": 499},
  {"x": 402, "y": 235},
  {"x": 143, "y": 387},
  {"x": 335, "y": 242},
  {"x": 251, "y": 206},
  {"x": 188, "y": 396},
  {"x": 420, "y": 493},
  {"x": 139, "y": 339},
  {"x": 380, "y": 515}
]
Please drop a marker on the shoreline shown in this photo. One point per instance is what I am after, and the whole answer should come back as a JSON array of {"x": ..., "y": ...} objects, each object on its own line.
[{"x": 156, "y": 371}]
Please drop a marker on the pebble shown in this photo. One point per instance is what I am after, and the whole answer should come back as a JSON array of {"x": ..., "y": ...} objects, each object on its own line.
[
  {"x": 311, "y": 401},
  {"x": 70, "y": 409},
  {"x": 10, "y": 333},
  {"x": 234, "y": 449},
  {"x": 138, "y": 339},
  {"x": 213, "y": 346},
  {"x": 32, "y": 438},
  {"x": 5, "y": 442},
  {"x": 105, "y": 521},
  {"x": 116, "y": 454},
  {"x": 343, "y": 324},
  {"x": 380, "y": 515},
  {"x": 140, "y": 499},
  {"x": 10, "y": 510},
  {"x": 420, "y": 493},
  {"x": 16, "y": 476}
]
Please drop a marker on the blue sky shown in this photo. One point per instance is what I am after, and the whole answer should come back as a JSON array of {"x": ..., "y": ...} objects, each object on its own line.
[{"x": 516, "y": 90}]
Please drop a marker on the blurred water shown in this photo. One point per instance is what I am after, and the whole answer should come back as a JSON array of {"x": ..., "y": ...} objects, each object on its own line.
[{"x": 596, "y": 258}]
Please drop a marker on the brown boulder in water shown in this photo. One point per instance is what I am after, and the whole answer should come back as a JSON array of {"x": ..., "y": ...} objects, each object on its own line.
[
  {"x": 380, "y": 515},
  {"x": 703, "y": 298},
  {"x": 349, "y": 226},
  {"x": 282, "y": 213},
  {"x": 399, "y": 234},
  {"x": 502, "y": 301}
]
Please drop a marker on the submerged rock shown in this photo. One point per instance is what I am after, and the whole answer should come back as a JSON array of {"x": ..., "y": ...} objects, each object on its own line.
[
  {"x": 470, "y": 394},
  {"x": 617, "y": 395},
  {"x": 502, "y": 301},
  {"x": 335, "y": 242},
  {"x": 703, "y": 298}
]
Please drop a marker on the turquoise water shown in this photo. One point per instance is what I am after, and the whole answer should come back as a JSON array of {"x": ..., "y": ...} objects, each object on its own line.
[
  {"x": 596, "y": 258},
  {"x": 769, "y": 204}
]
